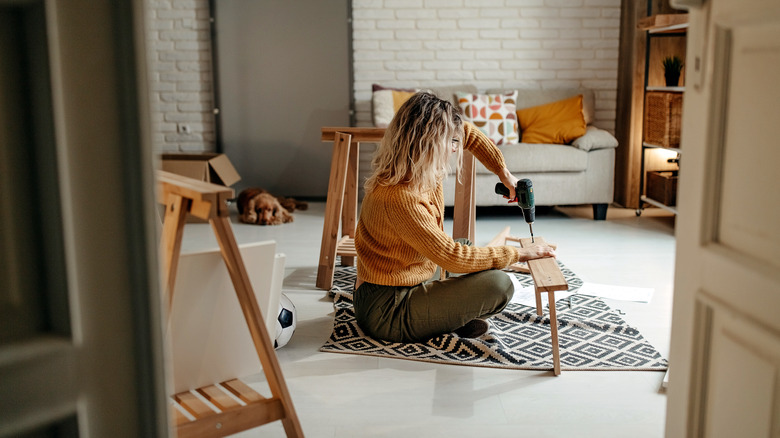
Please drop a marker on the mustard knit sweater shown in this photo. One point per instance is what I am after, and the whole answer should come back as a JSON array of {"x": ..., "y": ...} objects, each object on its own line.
[{"x": 400, "y": 237}]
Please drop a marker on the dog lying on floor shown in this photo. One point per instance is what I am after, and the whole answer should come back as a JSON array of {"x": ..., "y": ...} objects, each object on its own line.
[{"x": 257, "y": 206}]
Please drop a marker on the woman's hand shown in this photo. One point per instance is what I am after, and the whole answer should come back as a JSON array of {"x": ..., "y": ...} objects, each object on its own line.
[
  {"x": 536, "y": 251},
  {"x": 510, "y": 181}
]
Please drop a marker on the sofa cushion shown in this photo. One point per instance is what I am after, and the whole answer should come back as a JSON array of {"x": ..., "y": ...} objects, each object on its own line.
[
  {"x": 595, "y": 138},
  {"x": 527, "y": 157},
  {"x": 385, "y": 101},
  {"x": 530, "y": 97},
  {"x": 553, "y": 123},
  {"x": 493, "y": 114}
]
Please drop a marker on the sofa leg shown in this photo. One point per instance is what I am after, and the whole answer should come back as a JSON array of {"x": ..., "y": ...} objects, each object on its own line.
[{"x": 600, "y": 212}]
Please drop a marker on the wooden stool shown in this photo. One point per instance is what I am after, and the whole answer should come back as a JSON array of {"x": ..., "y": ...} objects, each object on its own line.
[{"x": 182, "y": 195}]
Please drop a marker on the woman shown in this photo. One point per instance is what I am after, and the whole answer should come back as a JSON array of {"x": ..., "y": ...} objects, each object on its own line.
[{"x": 400, "y": 239}]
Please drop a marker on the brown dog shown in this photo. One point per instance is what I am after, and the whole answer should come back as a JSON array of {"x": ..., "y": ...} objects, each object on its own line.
[{"x": 257, "y": 206}]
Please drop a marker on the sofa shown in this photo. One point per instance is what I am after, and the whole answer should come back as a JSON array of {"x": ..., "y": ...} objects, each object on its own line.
[{"x": 581, "y": 172}]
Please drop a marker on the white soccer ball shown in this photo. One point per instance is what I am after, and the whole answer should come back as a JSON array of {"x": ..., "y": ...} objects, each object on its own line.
[{"x": 285, "y": 322}]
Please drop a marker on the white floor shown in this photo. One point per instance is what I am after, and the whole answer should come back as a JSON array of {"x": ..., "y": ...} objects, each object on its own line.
[{"x": 338, "y": 395}]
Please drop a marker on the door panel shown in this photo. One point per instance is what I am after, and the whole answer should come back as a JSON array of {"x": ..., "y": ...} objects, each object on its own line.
[
  {"x": 748, "y": 224},
  {"x": 742, "y": 378},
  {"x": 725, "y": 352},
  {"x": 283, "y": 72},
  {"x": 78, "y": 251}
]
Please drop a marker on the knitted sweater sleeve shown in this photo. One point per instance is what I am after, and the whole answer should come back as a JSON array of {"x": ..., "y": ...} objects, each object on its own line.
[
  {"x": 413, "y": 215},
  {"x": 476, "y": 142}
]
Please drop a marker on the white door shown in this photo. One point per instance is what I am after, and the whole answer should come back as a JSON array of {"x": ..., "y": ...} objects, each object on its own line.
[
  {"x": 80, "y": 342},
  {"x": 724, "y": 376}
]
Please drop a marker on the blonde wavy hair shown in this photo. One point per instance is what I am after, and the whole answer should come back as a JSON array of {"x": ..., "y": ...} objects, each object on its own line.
[{"x": 417, "y": 144}]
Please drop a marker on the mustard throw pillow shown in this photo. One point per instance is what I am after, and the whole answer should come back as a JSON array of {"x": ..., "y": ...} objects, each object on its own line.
[
  {"x": 553, "y": 123},
  {"x": 385, "y": 101}
]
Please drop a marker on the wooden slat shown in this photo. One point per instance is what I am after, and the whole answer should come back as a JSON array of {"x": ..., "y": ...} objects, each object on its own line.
[
  {"x": 242, "y": 391},
  {"x": 218, "y": 397},
  {"x": 545, "y": 272},
  {"x": 178, "y": 417},
  {"x": 234, "y": 420},
  {"x": 346, "y": 247},
  {"x": 366, "y": 134},
  {"x": 193, "y": 404}
]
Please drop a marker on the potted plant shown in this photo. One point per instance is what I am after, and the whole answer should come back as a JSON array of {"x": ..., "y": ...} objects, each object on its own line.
[{"x": 673, "y": 65}]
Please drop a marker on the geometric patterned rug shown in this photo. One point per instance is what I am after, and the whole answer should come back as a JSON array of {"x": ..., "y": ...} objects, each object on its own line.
[{"x": 591, "y": 336}]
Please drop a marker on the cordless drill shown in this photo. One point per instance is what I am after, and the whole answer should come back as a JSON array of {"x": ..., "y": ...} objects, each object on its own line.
[{"x": 524, "y": 191}]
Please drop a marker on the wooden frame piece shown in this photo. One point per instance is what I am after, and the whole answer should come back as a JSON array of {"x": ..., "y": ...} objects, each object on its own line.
[
  {"x": 183, "y": 195},
  {"x": 503, "y": 238}
]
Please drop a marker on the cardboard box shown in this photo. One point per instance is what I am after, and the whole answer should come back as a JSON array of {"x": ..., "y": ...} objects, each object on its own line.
[{"x": 210, "y": 167}]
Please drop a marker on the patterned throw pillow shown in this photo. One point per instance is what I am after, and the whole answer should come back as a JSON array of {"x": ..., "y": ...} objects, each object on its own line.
[
  {"x": 494, "y": 114},
  {"x": 385, "y": 102}
]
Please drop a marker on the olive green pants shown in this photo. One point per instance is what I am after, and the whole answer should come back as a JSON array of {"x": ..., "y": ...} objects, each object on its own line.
[{"x": 417, "y": 313}]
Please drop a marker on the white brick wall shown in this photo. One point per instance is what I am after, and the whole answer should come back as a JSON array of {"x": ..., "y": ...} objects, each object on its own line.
[
  {"x": 405, "y": 43},
  {"x": 488, "y": 43},
  {"x": 180, "y": 76}
]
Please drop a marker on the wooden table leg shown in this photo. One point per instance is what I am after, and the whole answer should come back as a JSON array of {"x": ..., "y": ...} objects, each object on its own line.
[
  {"x": 333, "y": 205},
  {"x": 539, "y": 310},
  {"x": 176, "y": 208},
  {"x": 254, "y": 319},
  {"x": 464, "y": 209},
  {"x": 349, "y": 210},
  {"x": 554, "y": 334}
]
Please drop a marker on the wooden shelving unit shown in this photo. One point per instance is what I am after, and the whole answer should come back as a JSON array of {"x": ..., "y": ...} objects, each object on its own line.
[{"x": 666, "y": 35}]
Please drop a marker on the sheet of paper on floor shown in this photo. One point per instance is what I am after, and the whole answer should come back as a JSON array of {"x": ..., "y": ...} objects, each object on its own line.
[
  {"x": 527, "y": 295},
  {"x": 622, "y": 293}
]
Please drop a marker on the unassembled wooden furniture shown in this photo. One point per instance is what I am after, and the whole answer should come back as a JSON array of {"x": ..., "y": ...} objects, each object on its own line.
[
  {"x": 343, "y": 199},
  {"x": 547, "y": 278},
  {"x": 193, "y": 417}
]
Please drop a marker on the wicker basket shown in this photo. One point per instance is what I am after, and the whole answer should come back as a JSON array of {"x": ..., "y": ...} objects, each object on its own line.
[
  {"x": 663, "y": 113},
  {"x": 662, "y": 186}
]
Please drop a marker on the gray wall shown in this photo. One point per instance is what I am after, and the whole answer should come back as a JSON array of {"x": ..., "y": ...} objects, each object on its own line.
[{"x": 283, "y": 73}]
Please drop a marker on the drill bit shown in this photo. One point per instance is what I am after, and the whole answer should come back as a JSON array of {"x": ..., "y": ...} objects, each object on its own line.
[{"x": 531, "y": 226}]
